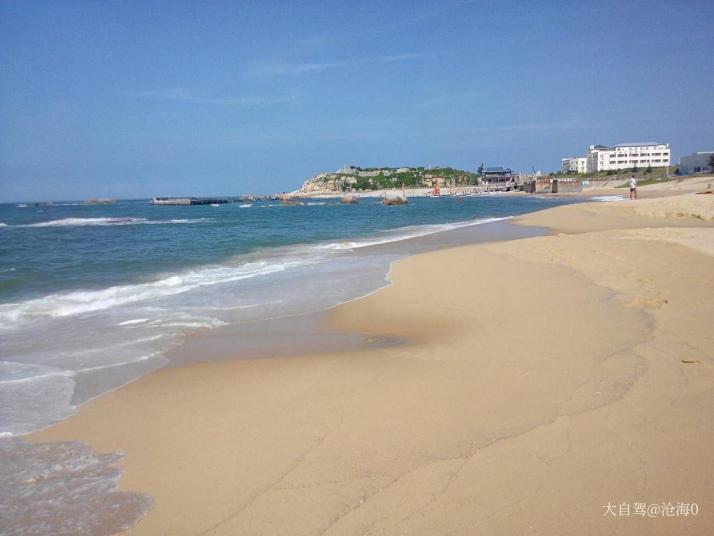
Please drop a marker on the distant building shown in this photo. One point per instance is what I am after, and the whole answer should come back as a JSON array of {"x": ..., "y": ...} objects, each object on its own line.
[
  {"x": 696, "y": 163},
  {"x": 347, "y": 170},
  {"x": 574, "y": 164},
  {"x": 628, "y": 155},
  {"x": 499, "y": 174}
]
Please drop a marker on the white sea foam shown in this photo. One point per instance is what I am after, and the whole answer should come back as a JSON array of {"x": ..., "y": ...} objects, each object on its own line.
[
  {"x": 11, "y": 372},
  {"x": 85, "y": 301},
  {"x": 117, "y": 364},
  {"x": 607, "y": 198},
  {"x": 245, "y": 205},
  {"x": 66, "y": 222},
  {"x": 180, "y": 220},
  {"x": 33, "y": 396},
  {"x": 75, "y": 486},
  {"x": 133, "y": 321},
  {"x": 405, "y": 233},
  {"x": 78, "y": 222},
  {"x": 195, "y": 325}
]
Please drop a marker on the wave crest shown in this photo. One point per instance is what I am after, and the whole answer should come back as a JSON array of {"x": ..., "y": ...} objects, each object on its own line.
[
  {"x": 79, "y": 222},
  {"x": 86, "y": 301}
]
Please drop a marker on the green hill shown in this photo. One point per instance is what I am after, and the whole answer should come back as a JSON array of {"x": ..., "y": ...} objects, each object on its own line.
[{"x": 357, "y": 179}]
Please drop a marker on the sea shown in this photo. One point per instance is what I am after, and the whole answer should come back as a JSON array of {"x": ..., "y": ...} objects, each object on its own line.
[{"x": 95, "y": 296}]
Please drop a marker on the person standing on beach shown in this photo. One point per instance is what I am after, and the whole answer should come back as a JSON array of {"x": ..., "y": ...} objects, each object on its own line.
[{"x": 633, "y": 187}]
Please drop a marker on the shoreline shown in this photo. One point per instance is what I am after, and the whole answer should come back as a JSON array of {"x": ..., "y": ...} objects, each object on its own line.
[
  {"x": 308, "y": 333},
  {"x": 132, "y": 339},
  {"x": 386, "y": 437},
  {"x": 670, "y": 186},
  {"x": 472, "y": 190}
]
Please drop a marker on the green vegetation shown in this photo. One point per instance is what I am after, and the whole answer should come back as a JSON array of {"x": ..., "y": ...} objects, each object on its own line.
[
  {"x": 362, "y": 179},
  {"x": 645, "y": 182},
  {"x": 640, "y": 173}
]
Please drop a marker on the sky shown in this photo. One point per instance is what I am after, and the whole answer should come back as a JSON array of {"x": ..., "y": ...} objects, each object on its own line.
[{"x": 132, "y": 99}]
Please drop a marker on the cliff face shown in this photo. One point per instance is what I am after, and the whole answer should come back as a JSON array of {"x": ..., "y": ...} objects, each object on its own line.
[
  {"x": 355, "y": 179},
  {"x": 321, "y": 183}
]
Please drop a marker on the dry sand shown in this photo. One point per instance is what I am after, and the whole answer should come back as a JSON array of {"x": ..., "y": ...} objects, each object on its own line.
[
  {"x": 665, "y": 188},
  {"x": 546, "y": 377}
]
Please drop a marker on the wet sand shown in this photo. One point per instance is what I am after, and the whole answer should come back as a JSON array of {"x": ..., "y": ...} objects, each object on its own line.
[
  {"x": 309, "y": 334},
  {"x": 540, "y": 380}
]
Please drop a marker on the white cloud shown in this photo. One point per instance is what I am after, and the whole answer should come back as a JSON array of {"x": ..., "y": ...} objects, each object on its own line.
[
  {"x": 401, "y": 57},
  {"x": 535, "y": 127},
  {"x": 182, "y": 94},
  {"x": 300, "y": 68},
  {"x": 284, "y": 68}
]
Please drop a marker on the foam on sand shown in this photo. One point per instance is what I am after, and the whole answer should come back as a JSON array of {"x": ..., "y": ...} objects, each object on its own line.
[
  {"x": 75, "y": 486},
  {"x": 405, "y": 233},
  {"x": 607, "y": 198},
  {"x": 33, "y": 396}
]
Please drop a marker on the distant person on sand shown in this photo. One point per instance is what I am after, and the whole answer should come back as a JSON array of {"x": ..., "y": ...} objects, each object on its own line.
[{"x": 633, "y": 187}]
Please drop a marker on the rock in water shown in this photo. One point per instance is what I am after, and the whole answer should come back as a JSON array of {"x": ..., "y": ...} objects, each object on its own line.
[{"x": 394, "y": 199}]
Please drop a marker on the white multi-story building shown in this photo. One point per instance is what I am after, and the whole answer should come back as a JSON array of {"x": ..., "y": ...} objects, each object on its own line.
[
  {"x": 628, "y": 155},
  {"x": 574, "y": 164}
]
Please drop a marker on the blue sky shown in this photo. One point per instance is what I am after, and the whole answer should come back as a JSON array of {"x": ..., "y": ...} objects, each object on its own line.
[{"x": 135, "y": 99}]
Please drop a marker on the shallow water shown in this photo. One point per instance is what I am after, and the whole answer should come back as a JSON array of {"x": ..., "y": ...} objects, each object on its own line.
[{"x": 63, "y": 488}]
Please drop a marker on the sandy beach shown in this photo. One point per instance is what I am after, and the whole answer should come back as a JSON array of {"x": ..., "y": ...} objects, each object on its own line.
[{"x": 543, "y": 379}]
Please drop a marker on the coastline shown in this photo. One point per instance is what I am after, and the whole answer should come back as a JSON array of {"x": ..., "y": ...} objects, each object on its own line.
[
  {"x": 673, "y": 186},
  {"x": 478, "y": 422},
  {"x": 186, "y": 272},
  {"x": 309, "y": 333},
  {"x": 473, "y": 190}
]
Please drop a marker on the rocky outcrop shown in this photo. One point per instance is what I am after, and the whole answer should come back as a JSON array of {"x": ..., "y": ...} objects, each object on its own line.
[
  {"x": 394, "y": 199},
  {"x": 356, "y": 179}
]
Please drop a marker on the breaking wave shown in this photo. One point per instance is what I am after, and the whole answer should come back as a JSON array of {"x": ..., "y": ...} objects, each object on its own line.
[
  {"x": 85, "y": 301},
  {"x": 607, "y": 198},
  {"x": 405, "y": 233},
  {"x": 78, "y": 222}
]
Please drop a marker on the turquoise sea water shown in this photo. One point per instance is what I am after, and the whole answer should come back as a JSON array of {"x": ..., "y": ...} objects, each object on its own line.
[{"x": 44, "y": 250}]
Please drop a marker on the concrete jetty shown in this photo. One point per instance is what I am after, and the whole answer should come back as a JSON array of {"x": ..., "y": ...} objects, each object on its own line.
[{"x": 188, "y": 201}]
